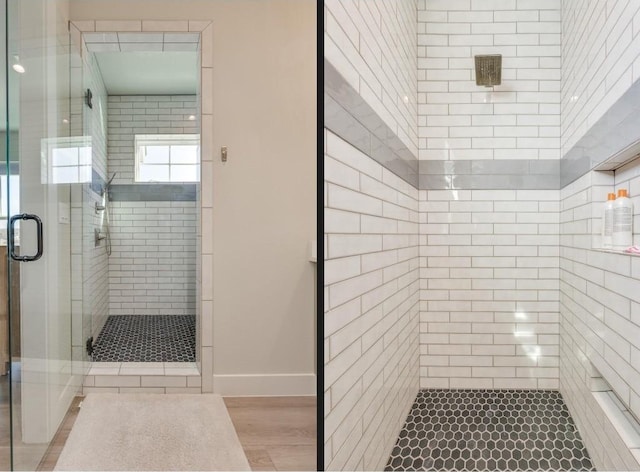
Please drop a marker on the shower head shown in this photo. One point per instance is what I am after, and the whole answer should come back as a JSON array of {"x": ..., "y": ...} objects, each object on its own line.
[{"x": 488, "y": 70}]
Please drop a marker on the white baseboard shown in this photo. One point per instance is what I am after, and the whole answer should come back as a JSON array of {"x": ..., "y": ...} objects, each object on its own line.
[{"x": 265, "y": 385}]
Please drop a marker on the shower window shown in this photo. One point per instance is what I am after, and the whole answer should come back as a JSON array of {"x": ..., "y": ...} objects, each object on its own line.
[{"x": 167, "y": 157}]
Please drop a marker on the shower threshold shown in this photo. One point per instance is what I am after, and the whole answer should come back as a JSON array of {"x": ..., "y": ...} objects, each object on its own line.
[
  {"x": 142, "y": 377},
  {"x": 145, "y": 368}
]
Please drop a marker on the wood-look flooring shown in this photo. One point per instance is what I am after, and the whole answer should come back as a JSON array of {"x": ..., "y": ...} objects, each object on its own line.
[
  {"x": 276, "y": 433},
  {"x": 26, "y": 456},
  {"x": 5, "y": 424},
  {"x": 50, "y": 457}
]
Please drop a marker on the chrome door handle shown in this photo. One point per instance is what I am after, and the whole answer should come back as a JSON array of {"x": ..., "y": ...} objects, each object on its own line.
[{"x": 12, "y": 221}]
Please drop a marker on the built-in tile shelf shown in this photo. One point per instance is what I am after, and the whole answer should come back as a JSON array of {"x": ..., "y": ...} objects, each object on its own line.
[
  {"x": 622, "y": 420},
  {"x": 614, "y": 251},
  {"x": 620, "y": 158}
]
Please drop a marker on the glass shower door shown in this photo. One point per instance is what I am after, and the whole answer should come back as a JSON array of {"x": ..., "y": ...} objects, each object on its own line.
[
  {"x": 5, "y": 353},
  {"x": 42, "y": 167}
]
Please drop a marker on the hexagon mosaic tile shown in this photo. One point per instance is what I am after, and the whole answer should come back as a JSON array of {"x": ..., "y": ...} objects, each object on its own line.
[
  {"x": 147, "y": 338},
  {"x": 482, "y": 430}
]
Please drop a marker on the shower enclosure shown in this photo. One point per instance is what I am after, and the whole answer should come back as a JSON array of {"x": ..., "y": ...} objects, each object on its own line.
[{"x": 139, "y": 270}]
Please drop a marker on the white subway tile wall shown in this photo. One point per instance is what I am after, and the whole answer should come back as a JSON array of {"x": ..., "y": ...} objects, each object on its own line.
[
  {"x": 144, "y": 114},
  {"x": 519, "y": 119},
  {"x": 598, "y": 290},
  {"x": 95, "y": 294},
  {"x": 373, "y": 46},
  {"x": 606, "y": 33},
  {"x": 600, "y": 323},
  {"x": 489, "y": 289},
  {"x": 371, "y": 302},
  {"x": 152, "y": 269}
]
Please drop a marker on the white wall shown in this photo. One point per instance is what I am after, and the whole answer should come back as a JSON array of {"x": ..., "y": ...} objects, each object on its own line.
[
  {"x": 519, "y": 119},
  {"x": 371, "y": 237},
  {"x": 599, "y": 317},
  {"x": 600, "y": 61},
  {"x": 373, "y": 46},
  {"x": 264, "y": 86},
  {"x": 371, "y": 302},
  {"x": 95, "y": 120},
  {"x": 489, "y": 289},
  {"x": 130, "y": 115},
  {"x": 600, "y": 53},
  {"x": 95, "y": 295},
  {"x": 95, "y": 270},
  {"x": 152, "y": 267},
  {"x": 489, "y": 258}
]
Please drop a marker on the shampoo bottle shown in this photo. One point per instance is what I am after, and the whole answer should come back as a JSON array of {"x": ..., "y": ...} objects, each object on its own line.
[
  {"x": 622, "y": 221},
  {"x": 607, "y": 221}
]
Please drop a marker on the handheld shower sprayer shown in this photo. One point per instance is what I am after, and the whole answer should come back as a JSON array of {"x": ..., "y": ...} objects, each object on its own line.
[
  {"x": 106, "y": 187},
  {"x": 106, "y": 194}
]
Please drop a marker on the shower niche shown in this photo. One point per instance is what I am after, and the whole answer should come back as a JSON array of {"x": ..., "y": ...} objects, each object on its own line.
[{"x": 138, "y": 215}]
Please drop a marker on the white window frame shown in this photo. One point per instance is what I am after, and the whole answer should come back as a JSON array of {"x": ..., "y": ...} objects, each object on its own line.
[{"x": 142, "y": 140}]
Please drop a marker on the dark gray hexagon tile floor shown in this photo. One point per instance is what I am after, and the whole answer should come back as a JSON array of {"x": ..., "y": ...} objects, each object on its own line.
[
  {"x": 481, "y": 430},
  {"x": 147, "y": 338}
]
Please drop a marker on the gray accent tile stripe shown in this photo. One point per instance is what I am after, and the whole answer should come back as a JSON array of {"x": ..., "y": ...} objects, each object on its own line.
[
  {"x": 97, "y": 182},
  {"x": 350, "y": 117},
  {"x": 617, "y": 129},
  {"x": 153, "y": 192},
  {"x": 488, "y": 174}
]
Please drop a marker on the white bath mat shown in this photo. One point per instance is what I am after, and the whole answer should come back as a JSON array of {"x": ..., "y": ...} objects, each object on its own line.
[{"x": 152, "y": 432}]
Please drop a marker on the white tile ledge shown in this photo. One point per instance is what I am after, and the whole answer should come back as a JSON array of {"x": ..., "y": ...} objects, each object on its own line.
[
  {"x": 620, "y": 158},
  {"x": 614, "y": 251},
  {"x": 624, "y": 423}
]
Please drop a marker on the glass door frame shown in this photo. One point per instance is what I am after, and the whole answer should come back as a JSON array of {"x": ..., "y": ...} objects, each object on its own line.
[{"x": 43, "y": 379}]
